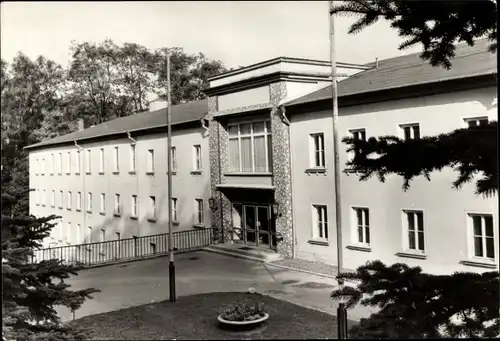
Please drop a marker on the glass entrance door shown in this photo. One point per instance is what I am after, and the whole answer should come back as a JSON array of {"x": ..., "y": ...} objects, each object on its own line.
[
  {"x": 250, "y": 223},
  {"x": 264, "y": 226}
]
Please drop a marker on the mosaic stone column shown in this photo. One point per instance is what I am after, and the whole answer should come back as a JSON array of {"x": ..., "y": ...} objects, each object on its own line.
[
  {"x": 282, "y": 178},
  {"x": 218, "y": 145}
]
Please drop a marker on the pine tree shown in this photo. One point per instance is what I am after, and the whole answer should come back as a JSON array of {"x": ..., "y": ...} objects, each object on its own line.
[
  {"x": 32, "y": 289},
  {"x": 414, "y": 304}
]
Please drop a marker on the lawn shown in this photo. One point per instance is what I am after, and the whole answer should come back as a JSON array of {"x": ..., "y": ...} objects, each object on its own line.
[{"x": 195, "y": 317}]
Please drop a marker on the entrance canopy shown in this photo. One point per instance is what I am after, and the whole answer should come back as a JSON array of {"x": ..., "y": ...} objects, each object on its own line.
[{"x": 257, "y": 193}]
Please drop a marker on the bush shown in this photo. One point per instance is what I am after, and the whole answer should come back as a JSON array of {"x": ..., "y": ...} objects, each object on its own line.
[
  {"x": 244, "y": 311},
  {"x": 414, "y": 304}
]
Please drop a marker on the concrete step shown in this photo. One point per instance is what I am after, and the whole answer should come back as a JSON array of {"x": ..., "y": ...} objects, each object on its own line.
[{"x": 235, "y": 250}]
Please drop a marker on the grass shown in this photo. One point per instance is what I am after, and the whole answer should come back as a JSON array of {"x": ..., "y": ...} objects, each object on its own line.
[{"x": 195, "y": 317}]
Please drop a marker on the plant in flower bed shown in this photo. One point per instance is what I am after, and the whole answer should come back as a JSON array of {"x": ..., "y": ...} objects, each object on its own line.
[{"x": 244, "y": 311}]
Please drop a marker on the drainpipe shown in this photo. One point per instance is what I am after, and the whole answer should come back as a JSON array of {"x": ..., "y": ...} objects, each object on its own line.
[
  {"x": 136, "y": 166},
  {"x": 220, "y": 181},
  {"x": 83, "y": 200}
]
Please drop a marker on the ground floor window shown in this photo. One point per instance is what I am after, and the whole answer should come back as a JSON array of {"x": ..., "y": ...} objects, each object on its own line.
[
  {"x": 413, "y": 224},
  {"x": 483, "y": 236},
  {"x": 362, "y": 225},
  {"x": 320, "y": 222}
]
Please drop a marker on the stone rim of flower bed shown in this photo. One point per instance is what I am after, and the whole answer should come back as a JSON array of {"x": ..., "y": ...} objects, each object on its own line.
[{"x": 243, "y": 323}]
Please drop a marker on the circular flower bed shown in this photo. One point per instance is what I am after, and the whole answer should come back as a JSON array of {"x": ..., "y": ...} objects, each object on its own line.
[{"x": 243, "y": 314}]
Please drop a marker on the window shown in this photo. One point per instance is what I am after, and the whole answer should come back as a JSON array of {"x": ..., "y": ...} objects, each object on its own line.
[
  {"x": 103, "y": 239},
  {"x": 88, "y": 162},
  {"x": 78, "y": 201},
  {"x": 250, "y": 147},
  {"x": 318, "y": 150},
  {"x": 174, "y": 209},
  {"x": 410, "y": 131},
  {"x": 118, "y": 235},
  {"x": 199, "y": 212},
  {"x": 132, "y": 157},
  {"x": 484, "y": 241},
  {"x": 68, "y": 204},
  {"x": 476, "y": 121},
  {"x": 68, "y": 231},
  {"x": 103, "y": 202},
  {"x": 52, "y": 164},
  {"x": 414, "y": 226},
  {"x": 68, "y": 163},
  {"x": 152, "y": 208},
  {"x": 38, "y": 197},
  {"x": 197, "y": 157},
  {"x": 42, "y": 171},
  {"x": 116, "y": 160},
  {"x": 174, "y": 159},
  {"x": 61, "y": 199},
  {"x": 53, "y": 199},
  {"x": 88, "y": 238},
  {"x": 44, "y": 198},
  {"x": 320, "y": 222},
  {"x": 60, "y": 164},
  {"x": 134, "y": 206},
  {"x": 358, "y": 134},
  {"x": 362, "y": 219},
  {"x": 117, "y": 204},
  {"x": 78, "y": 163},
  {"x": 151, "y": 161},
  {"x": 37, "y": 166},
  {"x": 89, "y": 202},
  {"x": 101, "y": 160}
]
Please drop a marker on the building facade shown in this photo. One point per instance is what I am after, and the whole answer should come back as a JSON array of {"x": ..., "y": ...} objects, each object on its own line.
[
  {"x": 255, "y": 160},
  {"x": 110, "y": 181},
  {"x": 271, "y": 155}
]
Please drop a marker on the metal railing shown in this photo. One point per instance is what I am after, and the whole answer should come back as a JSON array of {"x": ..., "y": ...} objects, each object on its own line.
[{"x": 126, "y": 249}]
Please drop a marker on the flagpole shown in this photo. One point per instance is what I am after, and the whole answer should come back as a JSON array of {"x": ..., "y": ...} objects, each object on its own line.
[
  {"x": 336, "y": 141},
  {"x": 171, "y": 266},
  {"x": 341, "y": 309}
]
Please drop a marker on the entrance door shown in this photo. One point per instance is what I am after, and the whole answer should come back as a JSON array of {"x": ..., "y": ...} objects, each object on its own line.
[
  {"x": 257, "y": 227},
  {"x": 250, "y": 224}
]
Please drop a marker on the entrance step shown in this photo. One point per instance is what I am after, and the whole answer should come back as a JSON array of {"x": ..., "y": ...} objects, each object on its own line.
[{"x": 245, "y": 251}]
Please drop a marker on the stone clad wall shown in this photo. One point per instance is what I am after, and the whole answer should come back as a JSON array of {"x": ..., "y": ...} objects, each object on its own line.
[
  {"x": 280, "y": 168},
  {"x": 282, "y": 177}
]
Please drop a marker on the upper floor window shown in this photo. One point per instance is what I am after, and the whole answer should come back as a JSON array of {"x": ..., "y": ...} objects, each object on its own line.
[
  {"x": 117, "y": 204},
  {"x": 197, "y": 157},
  {"x": 410, "y": 131},
  {"x": 103, "y": 203},
  {"x": 174, "y": 159},
  {"x": 53, "y": 199},
  {"x": 360, "y": 135},
  {"x": 37, "y": 166},
  {"x": 52, "y": 164},
  {"x": 317, "y": 145},
  {"x": 132, "y": 157},
  {"x": 68, "y": 163},
  {"x": 101, "y": 160},
  {"x": 60, "y": 164},
  {"x": 78, "y": 162},
  {"x": 42, "y": 171},
  {"x": 88, "y": 162},
  {"x": 134, "y": 206},
  {"x": 476, "y": 121},
  {"x": 116, "y": 160},
  {"x": 69, "y": 201},
  {"x": 89, "y": 202},
  {"x": 151, "y": 161},
  {"x": 250, "y": 147},
  {"x": 61, "y": 199},
  {"x": 78, "y": 201}
]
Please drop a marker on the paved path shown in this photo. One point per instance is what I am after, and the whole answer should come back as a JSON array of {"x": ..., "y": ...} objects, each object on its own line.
[{"x": 146, "y": 281}]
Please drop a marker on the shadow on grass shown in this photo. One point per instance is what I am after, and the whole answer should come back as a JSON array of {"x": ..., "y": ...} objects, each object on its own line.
[{"x": 195, "y": 317}]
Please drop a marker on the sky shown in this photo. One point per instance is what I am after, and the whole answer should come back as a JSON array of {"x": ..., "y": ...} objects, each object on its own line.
[{"x": 239, "y": 33}]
